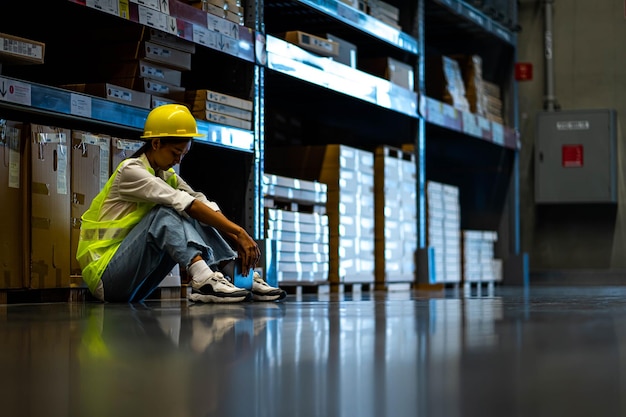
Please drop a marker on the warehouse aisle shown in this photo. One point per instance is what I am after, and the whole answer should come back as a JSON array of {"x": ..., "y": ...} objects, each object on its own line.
[{"x": 546, "y": 351}]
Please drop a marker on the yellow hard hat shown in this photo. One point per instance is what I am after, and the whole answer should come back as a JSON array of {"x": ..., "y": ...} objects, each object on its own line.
[{"x": 170, "y": 120}]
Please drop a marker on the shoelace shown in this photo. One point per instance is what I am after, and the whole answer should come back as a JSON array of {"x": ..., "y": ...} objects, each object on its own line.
[{"x": 220, "y": 278}]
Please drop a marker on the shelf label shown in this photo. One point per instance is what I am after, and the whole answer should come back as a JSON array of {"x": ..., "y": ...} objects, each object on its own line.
[
  {"x": 223, "y": 26},
  {"x": 62, "y": 165},
  {"x": 470, "y": 124},
  {"x": 485, "y": 127},
  {"x": 15, "y": 92},
  {"x": 107, "y": 6},
  {"x": 204, "y": 36},
  {"x": 80, "y": 105},
  {"x": 10, "y": 138},
  {"x": 215, "y": 40},
  {"x": 497, "y": 133},
  {"x": 435, "y": 113}
]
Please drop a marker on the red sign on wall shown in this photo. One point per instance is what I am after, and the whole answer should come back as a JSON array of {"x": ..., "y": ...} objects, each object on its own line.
[
  {"x": 523, "y": 71},
  {"x": 572, "y": 156}
]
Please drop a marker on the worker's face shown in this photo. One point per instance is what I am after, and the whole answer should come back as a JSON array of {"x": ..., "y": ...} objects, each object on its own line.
[{"x": 166, "y": 154}]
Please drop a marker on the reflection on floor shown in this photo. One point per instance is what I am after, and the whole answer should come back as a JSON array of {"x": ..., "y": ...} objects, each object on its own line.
[{"x": 543, "y": 351}]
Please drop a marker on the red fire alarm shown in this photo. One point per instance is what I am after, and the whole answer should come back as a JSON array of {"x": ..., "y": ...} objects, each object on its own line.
[{"x": 523, "y": 71}]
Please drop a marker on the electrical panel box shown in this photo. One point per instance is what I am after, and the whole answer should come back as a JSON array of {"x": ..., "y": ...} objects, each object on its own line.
[{"x": 576, "y": 157}]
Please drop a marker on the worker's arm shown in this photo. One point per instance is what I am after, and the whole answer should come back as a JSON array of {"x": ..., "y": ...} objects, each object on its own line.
[{"x": 247, "y": 248}]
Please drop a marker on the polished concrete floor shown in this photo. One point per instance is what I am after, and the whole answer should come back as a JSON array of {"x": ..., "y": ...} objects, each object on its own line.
[{"x": 545, "y": 351}]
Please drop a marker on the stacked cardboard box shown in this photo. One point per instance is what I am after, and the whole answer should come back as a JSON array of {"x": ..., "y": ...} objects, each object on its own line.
[
  {"x": 494, "y": 107},
  {"x": 50, "y": 207},
  {"x": 479, "y": 262},
  {"x": 220, "y": 108},
  {"x": 232, "y": 10},
  {"x": 16, "y": 50},
  {"x": 13, "y": 222},
  {"x": 313, "y": 43},
  {"x": 90, "y": 170},
  {"x": 384, "y": 12},
  {"x": 398, "y": 72},
  {"x": 472, "y": 71},
  {"x": 296, "y": 230},
  {"x": 349, "y": 174},
  {"x": 443, "y": 227},
  {"x": 166, "y": 57},
  {"x": 146, "y": 73},
  {"x": 122, "y": 149},
  {"x": 396, "y": 215},
  {"x": 444, "y": 81}
]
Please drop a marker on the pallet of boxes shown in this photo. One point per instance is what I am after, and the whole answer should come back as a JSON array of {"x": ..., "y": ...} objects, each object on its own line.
[
  {"x": 395, "y": 217},
  {"x": 480, "y": 266},
  {"x": 443, "y": 234},
  {"x": 218, "y": 107},
  {"x": 348, "y": 173},
  {"x": 296, "y": 233}
]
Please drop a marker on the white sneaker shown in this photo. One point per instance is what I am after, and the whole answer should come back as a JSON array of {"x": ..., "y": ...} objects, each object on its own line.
[
  {"x": 214, "y": 288},
  {"x": 262, "y": 291}
]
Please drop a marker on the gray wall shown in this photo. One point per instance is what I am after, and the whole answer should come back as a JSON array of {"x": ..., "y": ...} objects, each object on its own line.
[{"x": 590, "y": 73}]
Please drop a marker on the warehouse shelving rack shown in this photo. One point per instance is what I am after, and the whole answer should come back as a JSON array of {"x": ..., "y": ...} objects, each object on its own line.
[
  {"x": 333, "y": 102},
  {"x": 471, "y": 152}
]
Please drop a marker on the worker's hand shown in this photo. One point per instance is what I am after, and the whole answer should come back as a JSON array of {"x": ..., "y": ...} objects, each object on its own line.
[{"x": 248, "y": 251}]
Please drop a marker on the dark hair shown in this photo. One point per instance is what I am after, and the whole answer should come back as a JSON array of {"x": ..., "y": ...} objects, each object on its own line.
[{"x": 168, "y": 139}]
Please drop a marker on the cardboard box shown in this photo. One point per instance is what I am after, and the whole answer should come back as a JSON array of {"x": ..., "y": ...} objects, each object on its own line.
[
  {"x": 319, "y": 45},
  {"x": 90, "y": 170},
  {"x": 50, "y": 207},
  {"x": 123, "y": 148},
  {"x": 214, "y": 10},
  {"x": 395, "y": 71},
  {"x": 234, "y": 17},
  {"x": 163, "y": 89},
  {"x": 223, "y": 119},
  {"x": 157, "y": 101},
  {"x": 229, "y": 110},
  {"x": 170, "y": 40},
  {"x": 16, "y": 50},
  {"x": 13, "y": 222},
  {"x": 347, "y": 51},
  {"x": 166, "y": 55},
  {"x": 198, "y": 99},
  {"x": 113, "y": 92},
  {"x": 160, "y": 73}
]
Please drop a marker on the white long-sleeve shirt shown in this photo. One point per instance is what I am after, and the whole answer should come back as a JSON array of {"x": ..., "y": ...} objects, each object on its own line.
[{"x": 134, "y": 183}]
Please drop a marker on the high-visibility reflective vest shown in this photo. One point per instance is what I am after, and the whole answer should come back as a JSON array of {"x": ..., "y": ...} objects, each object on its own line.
[{"x": 99, "y": 240}]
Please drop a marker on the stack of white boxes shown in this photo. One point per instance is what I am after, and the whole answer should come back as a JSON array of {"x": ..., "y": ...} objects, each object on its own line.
[
  {"x": 349, "y": 174},
  {"x": 444, "y": 231},
  {"x": 221, "y": 108},
  {"x": 396, "y": 215},
  {"x": 479, "y": 262},
  {"x": 297, "y": 241}
]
